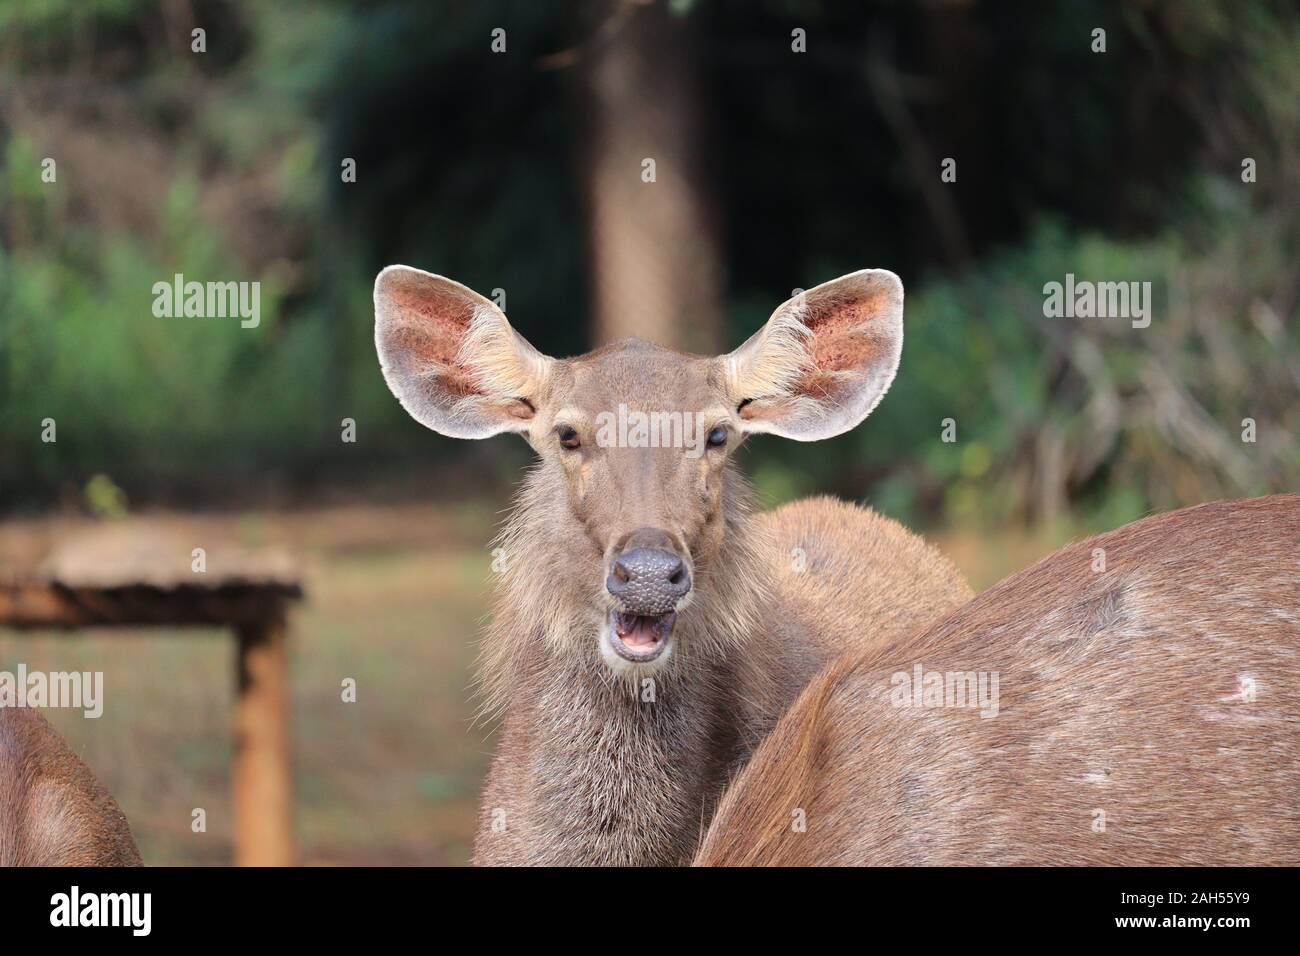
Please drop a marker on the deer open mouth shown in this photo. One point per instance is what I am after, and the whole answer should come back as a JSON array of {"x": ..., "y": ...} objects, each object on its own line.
[{"x": 640, "y": 638}]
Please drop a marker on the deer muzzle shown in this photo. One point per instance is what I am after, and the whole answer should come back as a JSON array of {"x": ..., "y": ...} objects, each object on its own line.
[{"x": 648, "y": 585}]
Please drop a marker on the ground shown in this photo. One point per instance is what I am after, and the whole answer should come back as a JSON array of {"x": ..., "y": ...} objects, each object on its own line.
[{"x": 396, "y": 598}]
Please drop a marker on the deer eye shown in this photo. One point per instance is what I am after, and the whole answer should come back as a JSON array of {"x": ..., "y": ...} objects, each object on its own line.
[
  {"x": 568, "y": 436},
  {"x": 718, "y": 437}
]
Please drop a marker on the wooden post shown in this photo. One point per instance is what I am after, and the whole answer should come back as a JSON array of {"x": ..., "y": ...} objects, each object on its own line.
[{"x": 263, "y": 786}]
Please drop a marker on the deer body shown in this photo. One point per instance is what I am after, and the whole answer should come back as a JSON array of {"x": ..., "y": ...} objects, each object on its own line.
[
  {"x": 648, "y": 630},
  {"x": 1149, "y": 714},
  {"x": 53, "y": 812}
]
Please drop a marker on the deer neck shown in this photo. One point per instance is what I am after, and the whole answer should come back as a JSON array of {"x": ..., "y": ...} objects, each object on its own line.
[
  {"x": 622, "y": 769},
  {"x": 617, "y": 776}
]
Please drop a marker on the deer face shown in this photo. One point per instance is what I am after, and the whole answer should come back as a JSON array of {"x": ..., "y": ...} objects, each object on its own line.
[
  {"x": 634, "y": 439},
  {"x": 640, "y": 437}
]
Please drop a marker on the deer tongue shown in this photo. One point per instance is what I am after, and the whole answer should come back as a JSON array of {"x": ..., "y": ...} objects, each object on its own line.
[{"x": 642, "y": 630}]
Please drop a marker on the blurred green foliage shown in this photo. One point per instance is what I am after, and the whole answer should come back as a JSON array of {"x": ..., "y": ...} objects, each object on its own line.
[{"x": 226, "y": 166}]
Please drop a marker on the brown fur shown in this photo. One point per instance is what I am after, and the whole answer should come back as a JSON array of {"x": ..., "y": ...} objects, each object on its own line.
[
  {"x": 590, "y": 768},
  {"x": 53, "y": 812},
  {"x": 1120, "y": 692}
]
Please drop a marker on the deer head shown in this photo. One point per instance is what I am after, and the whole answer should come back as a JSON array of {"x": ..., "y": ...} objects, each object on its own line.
[{"x": 634, "y": 439}]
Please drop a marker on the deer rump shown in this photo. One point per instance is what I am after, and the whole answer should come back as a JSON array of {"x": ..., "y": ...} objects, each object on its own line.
[{"x": 1149, "y": 700}]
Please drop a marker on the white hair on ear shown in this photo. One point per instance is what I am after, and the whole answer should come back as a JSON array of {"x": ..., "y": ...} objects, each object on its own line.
[
  {"x": 823, "y": 360},
  {"x": 774, "y": 360},
  {"x": 502, "y": 364}
]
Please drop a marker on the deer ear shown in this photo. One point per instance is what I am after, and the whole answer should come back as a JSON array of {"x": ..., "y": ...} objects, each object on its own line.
[
  {"x": 451, "y": 357},
  {"x": 823, "y": 360}
]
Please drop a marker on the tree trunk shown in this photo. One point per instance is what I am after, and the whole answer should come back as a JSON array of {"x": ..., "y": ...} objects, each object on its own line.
[{"x": 655, "y": 257}]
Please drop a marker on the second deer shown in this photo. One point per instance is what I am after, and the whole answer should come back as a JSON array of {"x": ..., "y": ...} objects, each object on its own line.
[
  {"x": 1145, "y": 710},
  {"x": 53, "y": 811}
]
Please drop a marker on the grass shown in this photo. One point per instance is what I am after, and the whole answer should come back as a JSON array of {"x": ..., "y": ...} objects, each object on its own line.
[{"x": 396, "y": 597}]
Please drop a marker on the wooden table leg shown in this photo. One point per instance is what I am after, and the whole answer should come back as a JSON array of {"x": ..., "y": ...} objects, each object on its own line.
[{"x": 263, "y": 786}]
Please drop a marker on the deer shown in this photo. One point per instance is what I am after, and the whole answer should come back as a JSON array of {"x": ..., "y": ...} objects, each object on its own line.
[
  {"x": 1147, "y": 713},
  {"x": 53, "y": 811},
  {"x": 649, "y": 625}
]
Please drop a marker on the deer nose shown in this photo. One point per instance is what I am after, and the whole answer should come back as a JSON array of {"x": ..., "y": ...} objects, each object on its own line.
[{"x": 648, "y": 580}]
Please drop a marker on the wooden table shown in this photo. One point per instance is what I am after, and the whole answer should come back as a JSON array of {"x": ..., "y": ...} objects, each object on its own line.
[{"x": 118, "y": 578}]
